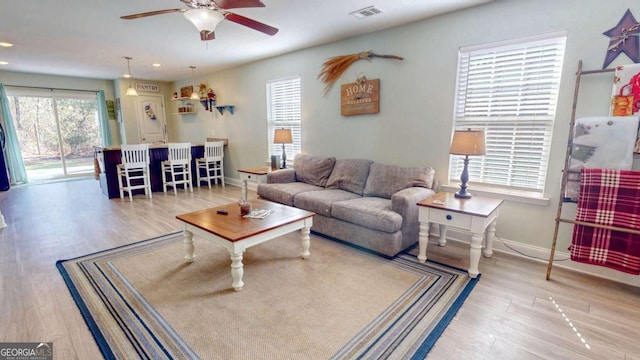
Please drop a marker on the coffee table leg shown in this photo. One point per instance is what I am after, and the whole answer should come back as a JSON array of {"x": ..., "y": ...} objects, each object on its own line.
[
  {"x": 237, "y": 270},
  {"x": 188, "y": 246},
  {"x": 306, "y": 242}
]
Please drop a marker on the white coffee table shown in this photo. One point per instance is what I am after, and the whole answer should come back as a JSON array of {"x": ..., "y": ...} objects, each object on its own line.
[{"x": 237, "y": 234}]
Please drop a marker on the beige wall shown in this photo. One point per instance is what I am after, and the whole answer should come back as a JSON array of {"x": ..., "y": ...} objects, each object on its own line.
[
  {"x": 128, "y": 124},
  {"x": 414, "y": 125}
]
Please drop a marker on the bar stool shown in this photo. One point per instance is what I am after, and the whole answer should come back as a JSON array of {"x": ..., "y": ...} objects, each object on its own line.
[
  {"x": 212, "y": 163},
  {"x": 178, "y": 165},
  {"x": 134, "y": 167}
]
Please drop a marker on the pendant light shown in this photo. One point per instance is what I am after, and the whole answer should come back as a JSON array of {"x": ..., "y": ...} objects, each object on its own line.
[
  {"x": 131, "y": 91},
  {"x": 194, "y": 94}
]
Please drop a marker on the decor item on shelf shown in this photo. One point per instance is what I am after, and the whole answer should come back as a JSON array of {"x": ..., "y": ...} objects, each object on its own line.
[
  {"x": 211, "y": 99},
  {"x": 194, "y": 95},
  {"x": 205, "y": 15},
  {"x": 283, "y": 136},
  {"x": 624, "y": 39},
  {"x": 186, "y": 91},
  {"x": 131, "y": 91},
  {"x": 333, "y": 68},
  {"x": 468, "y": 143}
]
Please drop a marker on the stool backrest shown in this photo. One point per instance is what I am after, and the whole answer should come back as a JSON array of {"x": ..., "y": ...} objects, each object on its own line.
[
  {"x": 134, "y": 156},
  {"x": 179, "y": 153},
  {"x": 213, "y": 150}
]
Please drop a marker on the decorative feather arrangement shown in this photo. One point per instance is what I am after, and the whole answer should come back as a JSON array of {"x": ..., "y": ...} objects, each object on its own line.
[{"x": 333, "y": 68}]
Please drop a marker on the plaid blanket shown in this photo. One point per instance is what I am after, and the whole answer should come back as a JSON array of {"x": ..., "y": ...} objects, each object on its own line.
[{"x": 608, "y": 197}]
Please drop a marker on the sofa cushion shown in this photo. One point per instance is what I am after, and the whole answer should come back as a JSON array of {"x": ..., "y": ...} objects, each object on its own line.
[
  {"x": 313, "y": 170},
  {"x": 350, "y": 175},
  {"x": 371, "y": 212},
  {"x": 320, "y": 201},
  {"x": 386, "y": 180},
  {"x": 284, "y": 193}
]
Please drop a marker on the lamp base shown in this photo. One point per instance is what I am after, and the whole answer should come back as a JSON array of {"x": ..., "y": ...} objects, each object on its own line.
[
  {"x": 462, "y": 194},
  {"x": 284, "y": 158}
]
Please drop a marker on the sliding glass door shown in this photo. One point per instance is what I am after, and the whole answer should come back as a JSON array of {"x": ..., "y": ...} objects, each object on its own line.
[{"x": 57, "y": 131}]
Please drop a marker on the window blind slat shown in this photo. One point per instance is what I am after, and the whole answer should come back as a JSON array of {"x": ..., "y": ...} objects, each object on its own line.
[
  {"x": 511, "y": 92},
  {"x": 284, "y": 111}
]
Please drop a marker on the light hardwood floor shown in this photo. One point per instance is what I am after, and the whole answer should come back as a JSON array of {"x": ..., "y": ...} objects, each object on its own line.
[{"x": 513, "y": 312}]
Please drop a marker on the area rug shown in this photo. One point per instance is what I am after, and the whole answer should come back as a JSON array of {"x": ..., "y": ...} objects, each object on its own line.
[{"x": 144, "y": 301}]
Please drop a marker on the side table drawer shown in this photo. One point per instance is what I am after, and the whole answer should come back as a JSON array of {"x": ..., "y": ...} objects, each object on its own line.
[{"x": 450, "y": 218}]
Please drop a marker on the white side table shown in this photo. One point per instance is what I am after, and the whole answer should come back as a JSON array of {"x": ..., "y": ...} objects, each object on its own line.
[
  {"x": 476, "y": 215},
  {"x": 257, "y": 175}
]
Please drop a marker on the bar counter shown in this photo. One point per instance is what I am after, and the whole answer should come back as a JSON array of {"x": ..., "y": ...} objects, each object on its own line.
[{"x": 109, "y": 158}]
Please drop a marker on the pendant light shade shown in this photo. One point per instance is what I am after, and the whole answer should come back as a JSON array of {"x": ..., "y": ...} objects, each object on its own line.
[
  {"x": 205, "y": 20},
  {"x": 131, "y": 91},
  {"x": 194, "y": 94}
]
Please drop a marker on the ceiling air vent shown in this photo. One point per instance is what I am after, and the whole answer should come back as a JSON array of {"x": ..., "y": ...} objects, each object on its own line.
[{"x": 365, "y": 12}]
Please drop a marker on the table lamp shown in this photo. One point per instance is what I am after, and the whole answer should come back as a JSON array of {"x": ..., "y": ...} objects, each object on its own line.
[
  {"x": 283, "y": 136},
  {"x": 468, "y": 143}
]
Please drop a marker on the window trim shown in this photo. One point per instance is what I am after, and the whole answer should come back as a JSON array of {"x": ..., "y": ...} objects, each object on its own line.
[
  {"x": 543, "y": 121},
  {"x": 295, "y": 124}
]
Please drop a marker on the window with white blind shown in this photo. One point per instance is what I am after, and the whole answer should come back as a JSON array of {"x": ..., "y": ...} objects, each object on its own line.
[
  {"x": 284, "y": 112},
  {"x": 510, "y": 91}
]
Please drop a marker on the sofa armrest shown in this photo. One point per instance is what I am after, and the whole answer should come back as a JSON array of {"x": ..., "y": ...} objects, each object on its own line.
[
  {"x": 404, "y": 202},
  {"x": 281, "y": 176}
]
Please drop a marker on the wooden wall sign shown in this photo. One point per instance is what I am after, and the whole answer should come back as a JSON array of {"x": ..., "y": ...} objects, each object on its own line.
[{"x": 360, "y": 97}]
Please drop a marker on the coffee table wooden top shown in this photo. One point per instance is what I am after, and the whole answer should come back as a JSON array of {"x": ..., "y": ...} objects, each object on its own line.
[
  {"x": 234, "y": 227},
  {"x": 477, "y": 205}
]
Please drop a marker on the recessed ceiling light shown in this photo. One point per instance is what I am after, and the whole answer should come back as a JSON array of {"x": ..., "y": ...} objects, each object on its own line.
[
  {"x": 156, "y": 65},
  {"x": 126, "y": 76},
  {"x": 6, "y": 44},
  {"x": 4, "y": 63}
]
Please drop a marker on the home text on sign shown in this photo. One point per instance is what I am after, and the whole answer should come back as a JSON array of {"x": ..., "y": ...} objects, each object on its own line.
[{"x": 361, "y": 97}]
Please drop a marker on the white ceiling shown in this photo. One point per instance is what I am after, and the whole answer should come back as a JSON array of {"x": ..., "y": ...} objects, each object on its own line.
[{"x": 87, "y": 38}]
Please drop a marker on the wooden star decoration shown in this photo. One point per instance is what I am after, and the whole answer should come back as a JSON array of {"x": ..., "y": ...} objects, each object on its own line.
[{"x": 624, "y": 39}]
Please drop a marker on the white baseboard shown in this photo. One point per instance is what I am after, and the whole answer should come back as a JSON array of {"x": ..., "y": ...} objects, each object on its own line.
[{"x": 540, "y": 254}]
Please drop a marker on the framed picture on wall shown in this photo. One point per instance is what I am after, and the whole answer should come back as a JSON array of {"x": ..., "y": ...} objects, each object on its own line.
[{"x": 186, "y": 91}]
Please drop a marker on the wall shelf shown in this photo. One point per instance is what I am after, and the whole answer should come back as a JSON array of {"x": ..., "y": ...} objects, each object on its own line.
[
  {"x": 186, "y": 105},
  {"x": 222, "y": 108}
]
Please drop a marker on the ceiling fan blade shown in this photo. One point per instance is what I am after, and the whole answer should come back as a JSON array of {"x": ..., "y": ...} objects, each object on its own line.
[
  {"x": 236, "y": 4},
  {"x": 256, "y": 25},
  {"x": 207, "y": 35},
  {"x": 150, "y": 13}
]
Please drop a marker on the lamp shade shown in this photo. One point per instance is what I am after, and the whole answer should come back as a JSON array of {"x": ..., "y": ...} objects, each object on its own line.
[
  {"x": 131, "y": 91},
  {"x": 204, "y": 19},
  {"x": 467, "y": 142},
  {"x": 282, "y": 136}
]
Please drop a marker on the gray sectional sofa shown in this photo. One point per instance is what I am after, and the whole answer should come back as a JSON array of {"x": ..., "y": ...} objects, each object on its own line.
[{"x": 358, "y": 201}]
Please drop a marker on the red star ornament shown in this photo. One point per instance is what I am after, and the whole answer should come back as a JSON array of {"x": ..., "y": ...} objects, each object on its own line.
[{"x": 624, "y": 39}]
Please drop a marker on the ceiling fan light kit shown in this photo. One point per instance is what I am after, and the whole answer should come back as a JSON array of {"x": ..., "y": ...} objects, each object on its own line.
[{"x": 204, "y": 20}]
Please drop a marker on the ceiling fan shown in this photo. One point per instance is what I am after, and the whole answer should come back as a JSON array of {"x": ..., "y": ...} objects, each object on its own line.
[{"x": 207, "y": 14}]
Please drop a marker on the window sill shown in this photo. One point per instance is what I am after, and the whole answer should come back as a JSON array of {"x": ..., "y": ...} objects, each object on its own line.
[{"x": 526, "y": 197}]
